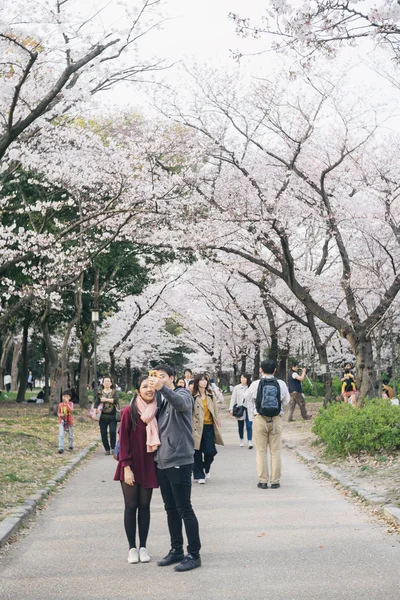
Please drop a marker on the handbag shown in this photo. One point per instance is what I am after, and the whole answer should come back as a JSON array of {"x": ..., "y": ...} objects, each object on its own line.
[
  {"x": 95, "y": 413},
  {"x": 238, "y": 410}
]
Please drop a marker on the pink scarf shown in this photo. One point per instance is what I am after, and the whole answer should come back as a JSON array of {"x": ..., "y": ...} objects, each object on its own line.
[{"x": 148, "y": 415}]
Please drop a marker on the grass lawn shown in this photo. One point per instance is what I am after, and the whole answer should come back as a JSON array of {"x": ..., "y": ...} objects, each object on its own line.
[{"x": 28, "y": 448}]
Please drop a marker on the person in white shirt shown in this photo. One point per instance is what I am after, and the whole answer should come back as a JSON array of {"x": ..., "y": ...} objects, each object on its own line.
[
  {"x": 238, "y": 400},
  {"x": 267, "y": 431},
  {"x": 7, "y": 382}
]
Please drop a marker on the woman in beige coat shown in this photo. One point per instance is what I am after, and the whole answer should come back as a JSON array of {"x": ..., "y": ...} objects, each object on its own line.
[{"x": 206, "y": 428}]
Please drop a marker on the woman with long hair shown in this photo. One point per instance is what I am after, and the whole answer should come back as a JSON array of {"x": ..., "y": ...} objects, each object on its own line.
[
  {"x": 206, "y": 428},
  {"x": 239, "y": 401},
  {"x": 136, "y": 470},
  {"x": 108, "y": 397}
]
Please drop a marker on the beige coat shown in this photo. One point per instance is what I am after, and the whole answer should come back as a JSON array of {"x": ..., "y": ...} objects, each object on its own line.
[{"x": 198, "y": 420}]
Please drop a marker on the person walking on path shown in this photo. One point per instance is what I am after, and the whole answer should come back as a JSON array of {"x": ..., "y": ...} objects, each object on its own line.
[
  {"x": 296, "y": 392},
  {"x": 174, "y": 459},
  {"x": 267, "y": 429},
  {"x": 65, "y": 422},
  {"x": 108, "y": 397},
  {"x": 238, "y": 400},
  {"x": 206, "y": 428},
  {"x": 136, "y": 470}
]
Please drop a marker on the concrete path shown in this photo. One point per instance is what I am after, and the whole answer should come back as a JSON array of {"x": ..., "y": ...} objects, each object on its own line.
[{"x": 303, "y": 541}]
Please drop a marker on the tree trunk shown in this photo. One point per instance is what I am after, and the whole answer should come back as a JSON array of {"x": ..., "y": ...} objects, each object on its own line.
[
  {"x": 3, "y": 359},
  {"x": 128, "y": 373},
  {"x": 113, "y": 370},
  {"x": 257, "y": 361},
  {"x": 378, "y": 362},
  {"x": 46, "y": 398},
  {"x": 235, "y": 373},
  {"x": 362, "y": 348},
  {"x": 84, "y": 376},
  {"x": 14, "y": 365},
  {"x": 23, "y": 371},
  {"x": 243, "y": 362},
  {"x": 323, "y": 359}
]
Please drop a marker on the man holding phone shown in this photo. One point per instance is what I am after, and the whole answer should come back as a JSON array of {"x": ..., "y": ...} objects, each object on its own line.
[
  {"x": 174, "y": 460},
  {"x": 296, "y": 392}
]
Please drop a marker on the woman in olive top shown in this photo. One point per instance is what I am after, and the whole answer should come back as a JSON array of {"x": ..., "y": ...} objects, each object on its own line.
[
  {"x": 108, "y": 397},
  {"x": 206, "y": 428}
]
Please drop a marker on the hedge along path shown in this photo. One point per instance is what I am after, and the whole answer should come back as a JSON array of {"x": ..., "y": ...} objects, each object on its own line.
[{"x": 29, "y": 449}]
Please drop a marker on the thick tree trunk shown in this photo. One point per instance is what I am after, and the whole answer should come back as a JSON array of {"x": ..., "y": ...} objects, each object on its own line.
[
  {"x": 323, "y": 359},
  {"x": 365, "y": 375},
  {"x": 14, "y": 365},
  {"x": 84, "y": 376},
  {"x": 235, "y": 373},
  {"x": 378, "y": 362},
  {"x": 23, "y": 371}
]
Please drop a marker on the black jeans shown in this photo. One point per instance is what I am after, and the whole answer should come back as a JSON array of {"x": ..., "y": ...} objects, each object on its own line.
[
  {"x": 176, "y": 486},
  {"x": 113, "y": 433},
  {"x": 204, "y": 457}
]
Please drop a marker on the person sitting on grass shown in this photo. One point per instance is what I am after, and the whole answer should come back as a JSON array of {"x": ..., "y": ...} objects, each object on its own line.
[
  {"x": 349, "y": 388},
  {"x": 65, "y": 422}
]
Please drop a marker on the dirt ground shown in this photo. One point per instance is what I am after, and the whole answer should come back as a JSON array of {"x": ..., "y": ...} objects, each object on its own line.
[{"x": 379, "y": 474}]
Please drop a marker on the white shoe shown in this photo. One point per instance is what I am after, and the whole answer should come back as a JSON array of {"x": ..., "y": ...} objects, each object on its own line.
[
  {"x": 202, "y": 480},
  {"x": 250, "y": 445},
  {"x": 241, "y": 443},
  {"x": 143, "y": 555},
  {"x": 208, "y": 475},
  {"x": 133, "y": 556}
]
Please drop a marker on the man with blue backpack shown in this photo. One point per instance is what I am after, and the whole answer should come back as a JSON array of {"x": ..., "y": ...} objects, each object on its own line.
[{"x": 265, "y": 400}]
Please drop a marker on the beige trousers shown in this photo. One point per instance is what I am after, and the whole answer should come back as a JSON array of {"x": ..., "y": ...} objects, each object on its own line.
[{"x": 268, "y": 434}]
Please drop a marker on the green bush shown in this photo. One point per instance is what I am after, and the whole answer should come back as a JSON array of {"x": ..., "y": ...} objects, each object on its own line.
[
  {"x": 347, "y": 430},
  {"x": 315, "y": 388}
]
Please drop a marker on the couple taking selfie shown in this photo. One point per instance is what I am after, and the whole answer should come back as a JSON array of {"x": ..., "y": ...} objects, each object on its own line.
[{"x": 156, "y": 450}]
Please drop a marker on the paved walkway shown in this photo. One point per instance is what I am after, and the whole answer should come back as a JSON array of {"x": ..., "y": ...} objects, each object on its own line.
[{"x": 303, "y": 541}]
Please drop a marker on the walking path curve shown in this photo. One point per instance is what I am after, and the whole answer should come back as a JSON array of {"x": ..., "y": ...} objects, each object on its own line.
[{"x": 304, "y": 541}]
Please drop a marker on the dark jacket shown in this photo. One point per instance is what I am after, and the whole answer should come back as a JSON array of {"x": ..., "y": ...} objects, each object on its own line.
[{"x": 175, "y": 428}]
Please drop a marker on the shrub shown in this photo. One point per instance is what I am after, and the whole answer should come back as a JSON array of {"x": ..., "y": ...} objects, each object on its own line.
[{"x": 348, "y": 430}]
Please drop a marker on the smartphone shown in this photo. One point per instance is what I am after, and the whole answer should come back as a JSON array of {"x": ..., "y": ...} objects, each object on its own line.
[{"x": 153, "y": 374}]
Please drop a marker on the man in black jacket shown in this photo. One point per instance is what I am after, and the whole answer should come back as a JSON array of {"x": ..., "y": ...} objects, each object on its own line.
[{"x": 174, "y": 459}]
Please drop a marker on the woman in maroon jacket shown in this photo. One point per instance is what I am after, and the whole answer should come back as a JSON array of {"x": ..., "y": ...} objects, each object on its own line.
[{"x": 138, "y": 440}]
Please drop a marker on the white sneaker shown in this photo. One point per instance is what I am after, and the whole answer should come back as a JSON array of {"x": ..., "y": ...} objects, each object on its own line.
[
  {"x": 241, "y": 443},
  {"x": 202, "y": 480},
  {"x": 143, "y": 555},
  {"x": 250, "y": 445},
  {"x": 208, "y": 475},
  {"x": 133, "y": 556}
]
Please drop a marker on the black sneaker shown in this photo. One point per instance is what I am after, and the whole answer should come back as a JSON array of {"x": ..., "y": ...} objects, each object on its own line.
[
  {"x": 173, "y": 557},
  {"x": 188, "y": 563},
  {"x": 262, "y": 486},
  {"x": 70, "y": 448},
  {"x": 60, "y": 451},
  {"x": 275, "y": 486}
]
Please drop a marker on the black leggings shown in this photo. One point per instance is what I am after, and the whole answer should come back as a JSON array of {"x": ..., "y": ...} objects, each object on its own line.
[{"x": 136, "y": 497}]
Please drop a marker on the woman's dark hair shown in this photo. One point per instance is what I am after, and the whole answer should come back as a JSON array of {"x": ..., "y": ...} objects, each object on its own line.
[
  {"x": 134, "y": 410},
  {"x": 196, "y": 384},
  {"x": 110, "y": 378},
  {"x": 178, "y": 379},
  {"x": 248, "y": 378}
]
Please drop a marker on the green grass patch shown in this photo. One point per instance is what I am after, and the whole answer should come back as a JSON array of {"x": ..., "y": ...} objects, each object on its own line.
[{"x": 29, "y": 449}]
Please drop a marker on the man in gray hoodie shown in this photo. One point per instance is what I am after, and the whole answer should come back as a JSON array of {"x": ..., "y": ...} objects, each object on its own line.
[{"x": 174, "y": 459}]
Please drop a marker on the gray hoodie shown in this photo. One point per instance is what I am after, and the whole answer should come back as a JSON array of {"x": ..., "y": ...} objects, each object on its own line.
[{"x": 175, "y": 429}]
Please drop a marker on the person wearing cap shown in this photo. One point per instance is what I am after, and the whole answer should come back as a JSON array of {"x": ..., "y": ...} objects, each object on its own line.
[{"x": 296, "y": 392}]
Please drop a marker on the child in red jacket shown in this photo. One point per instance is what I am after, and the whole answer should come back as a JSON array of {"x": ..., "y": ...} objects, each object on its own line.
[{"x": 65, "y": 422}]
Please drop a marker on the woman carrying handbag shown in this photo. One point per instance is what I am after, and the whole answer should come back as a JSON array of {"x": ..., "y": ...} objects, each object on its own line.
[
  {"x": 238, "y": 409},
  {"x": 206, "y": 428}
]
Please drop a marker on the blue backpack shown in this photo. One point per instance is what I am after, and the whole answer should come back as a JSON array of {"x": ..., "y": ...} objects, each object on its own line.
[{"x": 268, "y": 399}]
